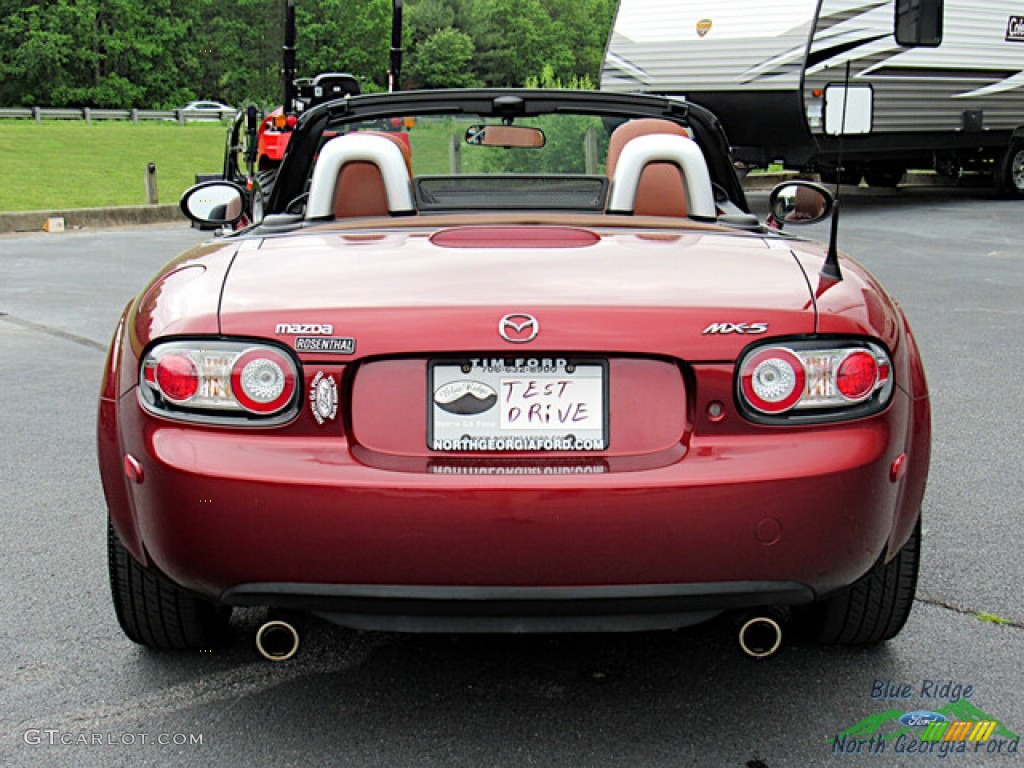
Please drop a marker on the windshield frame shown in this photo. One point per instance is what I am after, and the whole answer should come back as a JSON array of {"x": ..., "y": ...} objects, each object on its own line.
[{"x": 511, "y": 103}]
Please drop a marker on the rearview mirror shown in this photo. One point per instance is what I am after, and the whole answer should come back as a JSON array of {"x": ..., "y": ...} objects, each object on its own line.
[
  {"x": 504, "y": 136},
  {"x": 800, "y": 202},
  {"x": 214, "y": 203}
]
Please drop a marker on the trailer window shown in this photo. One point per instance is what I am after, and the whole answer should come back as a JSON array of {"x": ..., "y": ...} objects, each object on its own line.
[{"x": 919, "y": 23}]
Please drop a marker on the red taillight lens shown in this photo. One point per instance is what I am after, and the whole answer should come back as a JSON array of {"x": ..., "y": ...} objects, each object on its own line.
[
  {"x": 262, "y": 380},
  {"x": 857, "y": 376},
  {"x": 177, "y": 377},
  {"x": 773, "y": 380}
]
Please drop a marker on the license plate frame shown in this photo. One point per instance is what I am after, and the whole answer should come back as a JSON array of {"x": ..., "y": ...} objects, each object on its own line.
[{"x": 535, "y": 405}]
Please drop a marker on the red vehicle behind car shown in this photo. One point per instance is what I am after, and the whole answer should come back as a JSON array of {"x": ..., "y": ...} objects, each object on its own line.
[{"x": 534, "y": 396}]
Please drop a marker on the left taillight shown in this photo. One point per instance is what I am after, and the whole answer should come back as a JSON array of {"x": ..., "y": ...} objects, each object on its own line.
[
  {"x": 813, "y": 381},
  {"x": 219, "y": 381}
]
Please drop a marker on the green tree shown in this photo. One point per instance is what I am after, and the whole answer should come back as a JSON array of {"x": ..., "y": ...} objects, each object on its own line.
[
  {"x": 238, "y": 45},
  {"x": 101, "y": 53},
  {"x": 422, "y": 19},
  {"x": 163, "y": 53},
  {"x": 342, "y": 36},
  {"x": 586, "y": 25},
  {"x": 515, "y": 39},
  {"x": 444, "y": 60},
  {"x": 38, "y": 54}
]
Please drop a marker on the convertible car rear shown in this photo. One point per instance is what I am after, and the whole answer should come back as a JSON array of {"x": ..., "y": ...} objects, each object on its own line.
[{"x": 527, "y": 366}]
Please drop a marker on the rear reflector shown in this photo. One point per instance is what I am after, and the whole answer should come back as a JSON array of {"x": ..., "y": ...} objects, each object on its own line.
[
  {"x": 262, "y": 381},
  {"x": 773, "y": 380}
]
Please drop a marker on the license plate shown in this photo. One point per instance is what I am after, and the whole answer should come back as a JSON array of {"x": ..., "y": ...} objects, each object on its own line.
[{"x": 518, "y": 404}]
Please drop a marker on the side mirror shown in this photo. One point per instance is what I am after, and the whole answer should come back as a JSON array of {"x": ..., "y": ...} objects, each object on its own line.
[
  {"x": 214, "y": 203},
  {"x": 799, "y": 202}
]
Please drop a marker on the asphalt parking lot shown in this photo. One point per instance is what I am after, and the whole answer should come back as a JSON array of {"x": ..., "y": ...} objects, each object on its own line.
[{"x": 76, "y": 692}]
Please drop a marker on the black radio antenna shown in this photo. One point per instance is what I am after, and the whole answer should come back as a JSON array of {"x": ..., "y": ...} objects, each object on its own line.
[
  {"x": 395, "y": 61},
  {"x": 288, "y": 70},
  {"x": 830, "y": 269}
]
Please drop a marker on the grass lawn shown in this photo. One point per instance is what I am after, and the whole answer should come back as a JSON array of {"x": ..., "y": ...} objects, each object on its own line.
[
  {"x": 69, "y": 164},
  {"x": 431, "y": 139}
]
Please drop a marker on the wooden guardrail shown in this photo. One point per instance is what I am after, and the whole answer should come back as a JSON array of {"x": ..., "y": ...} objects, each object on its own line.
[{"x": 38, "y": 114}]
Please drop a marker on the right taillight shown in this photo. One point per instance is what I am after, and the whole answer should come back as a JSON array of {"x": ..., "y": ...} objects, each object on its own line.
[{"x": 806, "y": 381}]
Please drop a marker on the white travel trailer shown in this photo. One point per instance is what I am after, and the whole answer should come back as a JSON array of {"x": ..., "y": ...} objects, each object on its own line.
[{"x": 776, "y": 74}]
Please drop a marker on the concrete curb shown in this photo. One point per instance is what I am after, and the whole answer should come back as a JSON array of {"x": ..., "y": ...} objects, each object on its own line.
[
  {"x": 762, "y": 182},
  {"x": 136, "y": 215},
  {"x": 133, "y": 215},
  {"x": 77, "y": 218},
  {"x": 757, "y": 182}
]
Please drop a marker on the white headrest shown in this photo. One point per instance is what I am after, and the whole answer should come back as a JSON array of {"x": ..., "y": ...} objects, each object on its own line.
[
  {"x": 353, "y": 147},
  {"x": 663, "y": 148}
]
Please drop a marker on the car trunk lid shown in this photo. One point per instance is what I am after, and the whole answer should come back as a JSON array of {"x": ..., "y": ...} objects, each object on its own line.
[
  {"x": 557, "y": 343},
  {"x": 690, "y": 295}
]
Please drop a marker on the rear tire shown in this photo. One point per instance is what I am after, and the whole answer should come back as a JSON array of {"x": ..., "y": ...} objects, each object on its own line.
[
  {"x": 874, "y": 608},
  {"x": 1008, "y": 175},
  {"x": 155, "y": 612}
]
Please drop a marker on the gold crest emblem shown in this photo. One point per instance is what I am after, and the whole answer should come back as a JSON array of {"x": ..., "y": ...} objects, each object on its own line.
[{"x": 703, "y": 27}]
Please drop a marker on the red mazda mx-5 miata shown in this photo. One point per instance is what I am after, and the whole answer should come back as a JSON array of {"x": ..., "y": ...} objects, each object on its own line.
[{"x": 531, "y": 366}]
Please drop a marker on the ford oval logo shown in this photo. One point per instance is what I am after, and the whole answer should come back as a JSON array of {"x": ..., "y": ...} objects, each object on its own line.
[
  {"x": 465, "y": 398},
  {"x": 922, "y": 718}
]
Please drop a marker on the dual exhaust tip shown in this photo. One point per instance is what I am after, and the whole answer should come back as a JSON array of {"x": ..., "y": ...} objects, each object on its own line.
[
  {"x": 759, "y": 637},
  {"x": 277, "y": 639}
]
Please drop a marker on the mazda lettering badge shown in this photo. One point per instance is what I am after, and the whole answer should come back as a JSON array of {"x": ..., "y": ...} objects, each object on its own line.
[{"x": 518, "y": 328}]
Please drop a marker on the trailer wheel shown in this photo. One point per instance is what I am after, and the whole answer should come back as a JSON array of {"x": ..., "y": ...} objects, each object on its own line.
[
  {"x": 851, "y": 174},
  {"x": 1009, "y": 172},
  {"x": 884, "y": 176}
]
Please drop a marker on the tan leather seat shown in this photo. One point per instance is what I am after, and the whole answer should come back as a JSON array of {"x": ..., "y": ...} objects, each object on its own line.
[
  {"x": 360, "y": 189},
  {"x": 661, "y": 191}
]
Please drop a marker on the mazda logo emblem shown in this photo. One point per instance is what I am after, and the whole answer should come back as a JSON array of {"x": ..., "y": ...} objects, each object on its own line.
[{"x": 518, "y": 328}]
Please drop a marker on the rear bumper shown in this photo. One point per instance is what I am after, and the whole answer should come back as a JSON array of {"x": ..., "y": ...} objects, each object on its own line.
[
  {"x": 296, "y": 520},
  {"x": 518, "y": 609}
]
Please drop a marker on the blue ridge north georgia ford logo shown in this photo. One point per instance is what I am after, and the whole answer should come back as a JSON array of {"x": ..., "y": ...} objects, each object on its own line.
[{"x": 465, "y": 398}]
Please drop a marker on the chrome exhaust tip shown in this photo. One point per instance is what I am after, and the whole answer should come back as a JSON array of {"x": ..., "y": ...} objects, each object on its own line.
[
  {"x": 760, "y": 637},
  {"x": 277, "y": 640}
]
